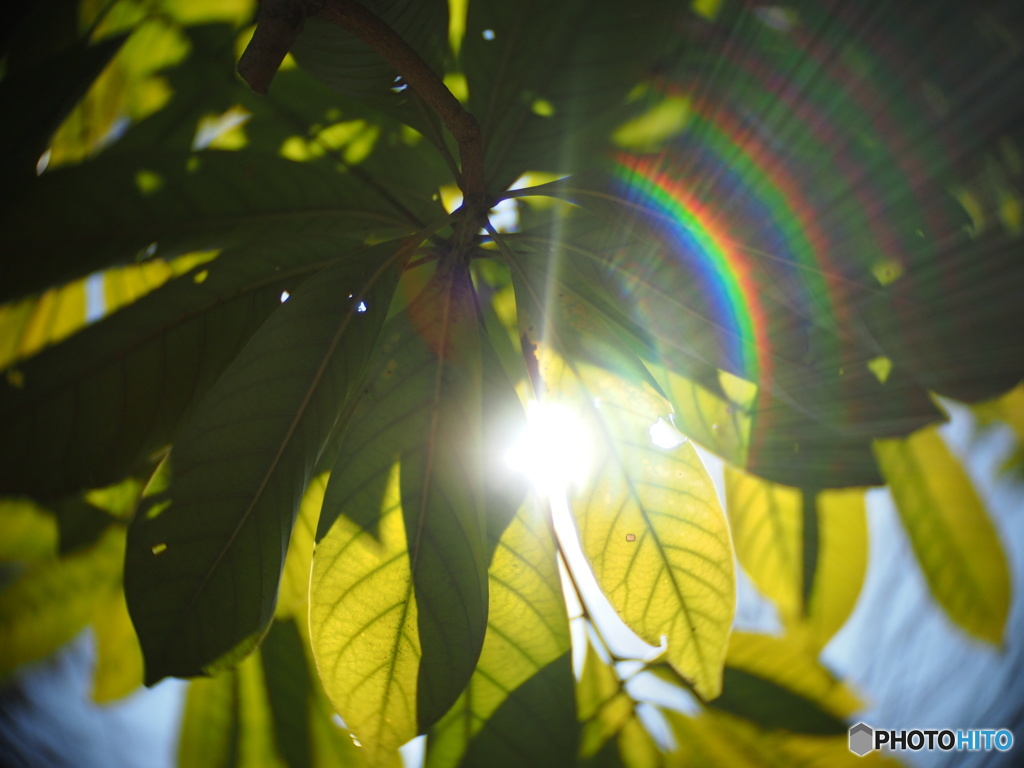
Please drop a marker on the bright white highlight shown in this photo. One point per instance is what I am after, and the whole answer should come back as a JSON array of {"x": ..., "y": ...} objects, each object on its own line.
[
  {"x": 664, "y": 435},
  {"x": 554, "y": 450},
  {"x": 285, "y": 296}
]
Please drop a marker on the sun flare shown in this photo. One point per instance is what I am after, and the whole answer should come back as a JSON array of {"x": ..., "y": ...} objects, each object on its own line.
[{"x": 554, "y": 451}]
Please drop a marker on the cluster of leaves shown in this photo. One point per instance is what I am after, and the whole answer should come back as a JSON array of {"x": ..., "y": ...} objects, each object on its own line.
[{"x": 303, "y": 371}]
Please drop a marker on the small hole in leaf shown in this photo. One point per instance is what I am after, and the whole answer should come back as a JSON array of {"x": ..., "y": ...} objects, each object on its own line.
[
  {"x": 488, "y": 34},
  {"x": 630, "y": 537},
  {"x": 285, "y": 296}
]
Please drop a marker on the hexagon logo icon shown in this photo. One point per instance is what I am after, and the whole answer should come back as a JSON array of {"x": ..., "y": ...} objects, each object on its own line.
[{"x": 861, "y": 739}]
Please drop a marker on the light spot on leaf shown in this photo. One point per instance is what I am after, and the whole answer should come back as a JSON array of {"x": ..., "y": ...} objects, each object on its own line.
[
  {"x": 488, "y": 34},
  {"x": 881, "y": 366},
  {"x": 664, "y": 435},
  {"x": 148, "y": 182},
  {"x": 887, "y": 271},
  {"x": 543, "y": 107},
  {"x": 456, "y": 83},
  {"x": 15, "y": 378},
  {"x": 200, "y": 277},
  {"x": 159, "y": 549}
]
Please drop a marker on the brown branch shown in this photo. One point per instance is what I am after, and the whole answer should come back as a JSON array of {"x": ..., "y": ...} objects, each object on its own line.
[{"x": 279, "y": 23}]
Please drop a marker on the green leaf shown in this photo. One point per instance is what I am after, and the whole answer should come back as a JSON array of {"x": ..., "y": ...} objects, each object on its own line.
[
  {"x": 650, "y": 523},
  {"x": 209, "y": 725},
  {"x": 52, "y": 600},
  {"x": 613, "y": 734},
  {"x": 789, "y": 663},
  {"x": 289, "y": 692},
  {"x": 65, "y": 226},
  {"x": 956, "y": 544},
  {"x": 1008, "y": 410},
  {"x": 807, "y": 555},
  {"x": 523, "y": 683},
  {"x": 34, "y": 113},
  {"x": 717, "y": 738},
  {"x": 807, "y": 423},
  {"x": 269, "y": 711},
  {"x": 351, "y": 67},
  {"x": 773, "y": 706},
  {"x": 257, "y": 742},
  {"x": 30, "y": 532},
  {"x": 399, "y": 592},
  {"x": 184, "y": 334},
  {"x": 553, "y": 108},
  {"x": 241, "y": 464},
  {"x": 119, "y": 667},
  {"x": 80, "y": 523}
]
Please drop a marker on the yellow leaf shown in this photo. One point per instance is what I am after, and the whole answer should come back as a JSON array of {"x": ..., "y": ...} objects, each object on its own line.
[
  {"x": 716, "y": 738},
  {"x": 118, "y": 655},
  {"x": 363, "y": 624},
  {"x": 52, "y": 600},
  {"x": 773, "y": 546},
  {"x": 721, "y": 427},
  {"x": 649, "y": 519},
  {"x": 604, "y": 706},
  {"x": 30, "y": 532},
  {"x": 787, "y": 662},
  {"x": 31, "y": 324},
  {"x": 293, "y": 595},
  {"x": 652, "y": 529},
  {"x": 256, "y": 745},
  {"x": 527, "y": 629},
  {"x": 208, "y": 722},
  {"x": 1008, "y": 409},
  {"x": 956, "y": 543}
]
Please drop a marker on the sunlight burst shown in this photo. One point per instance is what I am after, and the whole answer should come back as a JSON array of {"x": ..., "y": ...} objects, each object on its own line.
[{"x": 554, "y": 450}]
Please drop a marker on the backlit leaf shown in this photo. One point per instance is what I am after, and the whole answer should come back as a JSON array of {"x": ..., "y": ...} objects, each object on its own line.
[
  {"x": 30, "y": 532},
  {"x": 119, "y": 666},
  {"x": 518, "y": 708},
  {"x": 351, "y": 67},
  {"x": 34, "y": 113},
  {"x": 649, "y": 521},
  {"x": 808, "y": 557},
  {"x": 181, "y": 202},
  {"x": 52, "y": 600},
  {"x": 241, "y": 464},
  {"x": 612, "y": 732},
  {"x": 209, "y": 723},
  {"x": 399, "y": 592},
  {"x": 553, "y": 109},
  {"x": 184, "y": 334},
  {"x": 257, "y": 747},
  {"x": 787, "y": 662},
  {"x": 953, "y": 537},
  {"x": 716, "y": 738},
  {"x": 293, "y": 596}
]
